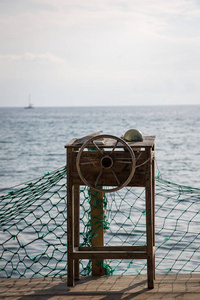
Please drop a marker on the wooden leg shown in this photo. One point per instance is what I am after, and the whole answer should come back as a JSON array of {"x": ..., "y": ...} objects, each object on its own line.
[
  {"x": 76, "y": 226},
  {"x": 149, "y": 223},
  {"x": 70, "y": 270},
  {"x": 150, "y": 267},
  {"x": 150, "y": 252},
  {"x": 70, "y": 222},
  {"x": 70, "y": 240}
]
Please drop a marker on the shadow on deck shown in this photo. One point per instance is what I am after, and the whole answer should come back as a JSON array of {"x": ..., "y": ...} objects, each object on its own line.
[{"x": 102, "y": 288}]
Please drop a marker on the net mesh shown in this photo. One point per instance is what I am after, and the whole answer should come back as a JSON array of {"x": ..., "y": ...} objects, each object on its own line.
[{"x": 34, "y": 229}]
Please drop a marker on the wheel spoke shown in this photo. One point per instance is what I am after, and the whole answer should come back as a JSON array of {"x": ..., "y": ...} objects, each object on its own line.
[
  {"x": 121, "y": 158},
  {"x": 96, "y": 181},
  {"x": 101, "y": 151},
  {"x": 114, "y": 147},
  {"x": 116, "y": 177},
  {"x": 124, "y": 162},
  {"x": 89, "y": 162}
]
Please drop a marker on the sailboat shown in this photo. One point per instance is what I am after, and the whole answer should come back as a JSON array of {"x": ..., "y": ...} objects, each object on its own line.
[{"x": 30, "y": 105}]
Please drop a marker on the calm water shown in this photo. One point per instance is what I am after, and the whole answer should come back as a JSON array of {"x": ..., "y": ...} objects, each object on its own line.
[{"x": 32, "y": 141}]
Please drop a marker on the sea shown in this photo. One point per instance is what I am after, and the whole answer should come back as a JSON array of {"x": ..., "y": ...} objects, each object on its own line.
[
  {"x": 32, "y": 143},
  {"x": 32, "y": 140}
]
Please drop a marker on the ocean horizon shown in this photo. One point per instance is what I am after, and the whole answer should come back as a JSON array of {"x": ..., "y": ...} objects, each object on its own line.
[{"x": 32, "y": 140}]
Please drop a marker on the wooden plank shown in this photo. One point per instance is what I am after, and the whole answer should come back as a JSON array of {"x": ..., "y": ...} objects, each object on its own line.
[
  {"x": 113, "y": 248},
  {"x": 147, "y": 142},
  {"x": 138, "y": 179},
  {"x": 97, "y": 230},
  {"x": 122, "y": 171},
  {"x": 110, "y": 254},
  {"x": 88, "y": 156}
]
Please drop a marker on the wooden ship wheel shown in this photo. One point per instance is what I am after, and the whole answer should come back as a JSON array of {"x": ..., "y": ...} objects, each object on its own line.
[{"x": 105, "y": 163}]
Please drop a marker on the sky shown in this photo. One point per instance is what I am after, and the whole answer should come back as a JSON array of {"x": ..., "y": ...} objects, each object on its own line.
[{"x": 99, "y": 52}]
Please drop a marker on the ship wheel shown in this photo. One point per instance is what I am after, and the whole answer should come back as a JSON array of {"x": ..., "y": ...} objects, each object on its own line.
[{"x": 105, "y": 162}]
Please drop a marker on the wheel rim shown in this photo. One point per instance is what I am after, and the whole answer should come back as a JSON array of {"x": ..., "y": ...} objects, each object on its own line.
[{"x": 106, "y": 162}]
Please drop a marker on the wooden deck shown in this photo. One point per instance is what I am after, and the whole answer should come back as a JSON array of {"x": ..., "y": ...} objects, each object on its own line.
[{"x": 105, "y": 288}]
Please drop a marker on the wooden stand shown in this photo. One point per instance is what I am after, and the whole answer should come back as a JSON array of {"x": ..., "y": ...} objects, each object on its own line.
[{"x": 144, "y": 177}]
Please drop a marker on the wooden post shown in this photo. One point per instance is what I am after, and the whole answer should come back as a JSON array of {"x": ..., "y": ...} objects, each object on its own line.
[
  {"x": 149, "y": 222},
  {"x": 76, "y": 226},
  {"x": 70, "y": 221},
  {"x": 97, "y": 230}
]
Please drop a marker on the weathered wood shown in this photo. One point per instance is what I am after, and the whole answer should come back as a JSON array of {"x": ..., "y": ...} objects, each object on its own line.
[
  {"x": 97, "y": 230},
  {"x": 138, "y": 179},
  {"x": 70, "y": 221},
  {"x": 122, "y": 171},
  {"x": 171, "y": 286},
  {"x": 148, "y": 142},
  {"x": 149, "y": 221},
  {"x": 76, "y": 226},
  {"x": 113, "y": 248},
  {"x": 143, "y": 177},
  {"x": 110, "y": 255}
]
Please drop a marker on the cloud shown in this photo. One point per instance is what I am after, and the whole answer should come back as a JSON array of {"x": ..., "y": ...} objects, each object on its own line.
[
  {"x": 141, "y": 48},
  {"x": 42, "y": 58}
]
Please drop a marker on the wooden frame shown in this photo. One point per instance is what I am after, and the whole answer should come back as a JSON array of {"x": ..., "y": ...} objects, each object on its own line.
[{"x": 144, "y": 177}]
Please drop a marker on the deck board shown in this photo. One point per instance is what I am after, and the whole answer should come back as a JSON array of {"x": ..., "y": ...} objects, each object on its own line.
[{"x": 104, "y": 288}]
